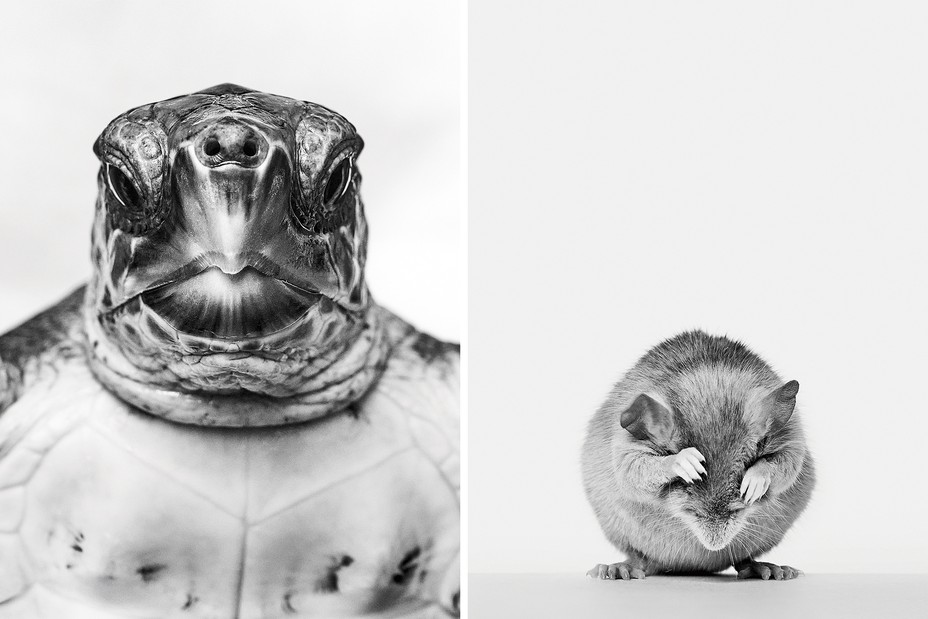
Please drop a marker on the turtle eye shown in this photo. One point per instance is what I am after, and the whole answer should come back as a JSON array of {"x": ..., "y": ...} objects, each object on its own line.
[
  {"x": 337, "y": 183},
  {"x": 128, "y": 208},
  {"x": 123, "y": 189}
]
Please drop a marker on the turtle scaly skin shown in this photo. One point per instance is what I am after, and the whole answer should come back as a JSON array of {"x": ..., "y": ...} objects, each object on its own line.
[{"x": 223, "y": 423}]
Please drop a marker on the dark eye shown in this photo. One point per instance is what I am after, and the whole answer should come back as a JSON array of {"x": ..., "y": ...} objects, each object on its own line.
[
  {"x": 337, "y": 183},
  {"x": 123, "y": 189}
]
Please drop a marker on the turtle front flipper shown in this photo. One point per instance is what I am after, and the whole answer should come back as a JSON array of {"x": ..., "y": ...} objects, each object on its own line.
[{"x": 37, "y": 346}]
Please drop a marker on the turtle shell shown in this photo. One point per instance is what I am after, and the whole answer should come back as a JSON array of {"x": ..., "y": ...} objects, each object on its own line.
[{"x": 106, "y": 511}]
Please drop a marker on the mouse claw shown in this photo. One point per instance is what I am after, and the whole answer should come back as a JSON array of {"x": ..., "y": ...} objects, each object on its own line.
[
  {"x": 766, "y": 571},
  {"x": 616, "y": 571},
  {"x": 687, "y": 465},
  {"x": 755, "y": 484}
]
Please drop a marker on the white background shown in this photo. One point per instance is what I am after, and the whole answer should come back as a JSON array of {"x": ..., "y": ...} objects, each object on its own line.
[
  {"x": 754, "y": 169},
  {"x": 391, "y": 68}
]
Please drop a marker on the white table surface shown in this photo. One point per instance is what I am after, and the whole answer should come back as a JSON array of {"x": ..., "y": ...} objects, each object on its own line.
[{"x": 575, "y": 596}]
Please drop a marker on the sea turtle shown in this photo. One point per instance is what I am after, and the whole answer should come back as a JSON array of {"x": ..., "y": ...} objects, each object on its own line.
[{"x": 223, "y": 423}]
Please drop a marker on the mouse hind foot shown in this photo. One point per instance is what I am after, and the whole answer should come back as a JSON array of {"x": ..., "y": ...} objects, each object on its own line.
[
  {"x": 626, "y": 570},
  {"x": 749, "y": 568}
]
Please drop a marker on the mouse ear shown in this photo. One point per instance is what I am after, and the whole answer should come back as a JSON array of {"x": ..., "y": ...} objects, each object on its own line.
[
  {"x": 779, "y": 404},
  {"x": 648, "y": 419}
]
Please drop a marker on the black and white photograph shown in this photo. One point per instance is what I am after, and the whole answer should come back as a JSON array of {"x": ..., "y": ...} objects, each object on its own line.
[
  {"x": 467, "y": 308},
  {"x": 229, "y": 373},
  {"x": 697, "y": 309}
]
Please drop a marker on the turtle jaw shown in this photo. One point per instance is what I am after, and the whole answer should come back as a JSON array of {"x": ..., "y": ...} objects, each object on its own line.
[
  {"x": 269, "y": 320},
  {"x": 236, "y": 308},
  {"x": 199, "y": 342}
]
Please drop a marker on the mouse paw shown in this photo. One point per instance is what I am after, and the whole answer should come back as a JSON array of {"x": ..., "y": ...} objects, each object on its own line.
[
  {"x": 616, "y": 571},
  {"x": 687, "y": 465},
  {"x": 755, "y": 484},
  {"x": 766, "y": 571}
]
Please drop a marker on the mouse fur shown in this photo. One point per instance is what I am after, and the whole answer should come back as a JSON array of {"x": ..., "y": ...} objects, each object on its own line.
[{"x": 751, "y": 476}]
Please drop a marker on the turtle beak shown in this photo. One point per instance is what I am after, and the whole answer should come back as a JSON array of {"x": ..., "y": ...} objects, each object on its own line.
[
  {"x": 232, "y": 185},
  {"x": 243, "y": 305}
]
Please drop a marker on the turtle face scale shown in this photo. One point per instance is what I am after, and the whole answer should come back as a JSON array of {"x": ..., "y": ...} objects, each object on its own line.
[{"x": 229, "y": 245}]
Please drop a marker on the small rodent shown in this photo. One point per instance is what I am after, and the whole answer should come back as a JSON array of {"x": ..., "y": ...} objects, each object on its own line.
[{"x": 697, "y": 461}]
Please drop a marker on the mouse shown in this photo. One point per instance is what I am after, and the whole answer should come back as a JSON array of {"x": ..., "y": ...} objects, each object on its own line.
[{"x": 697, "y": 462}]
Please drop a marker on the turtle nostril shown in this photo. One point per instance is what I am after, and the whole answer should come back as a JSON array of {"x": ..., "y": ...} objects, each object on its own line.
[
  {"x": 211, "y": 147},
  {"x": 230, "y": 141}
]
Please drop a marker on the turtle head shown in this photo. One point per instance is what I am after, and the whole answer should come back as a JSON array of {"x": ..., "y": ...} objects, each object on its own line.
[{"x": 229, "y": 246}]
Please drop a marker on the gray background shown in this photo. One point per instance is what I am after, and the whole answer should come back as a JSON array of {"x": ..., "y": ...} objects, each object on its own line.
[
  {"x": 823, "y": 596},
  {"x": 754, "y": 169},
  {"x": 392, "y": 69}
]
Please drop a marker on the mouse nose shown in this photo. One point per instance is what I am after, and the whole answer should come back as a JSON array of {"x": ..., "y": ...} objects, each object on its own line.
[{"x": 230, "y": 141}]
